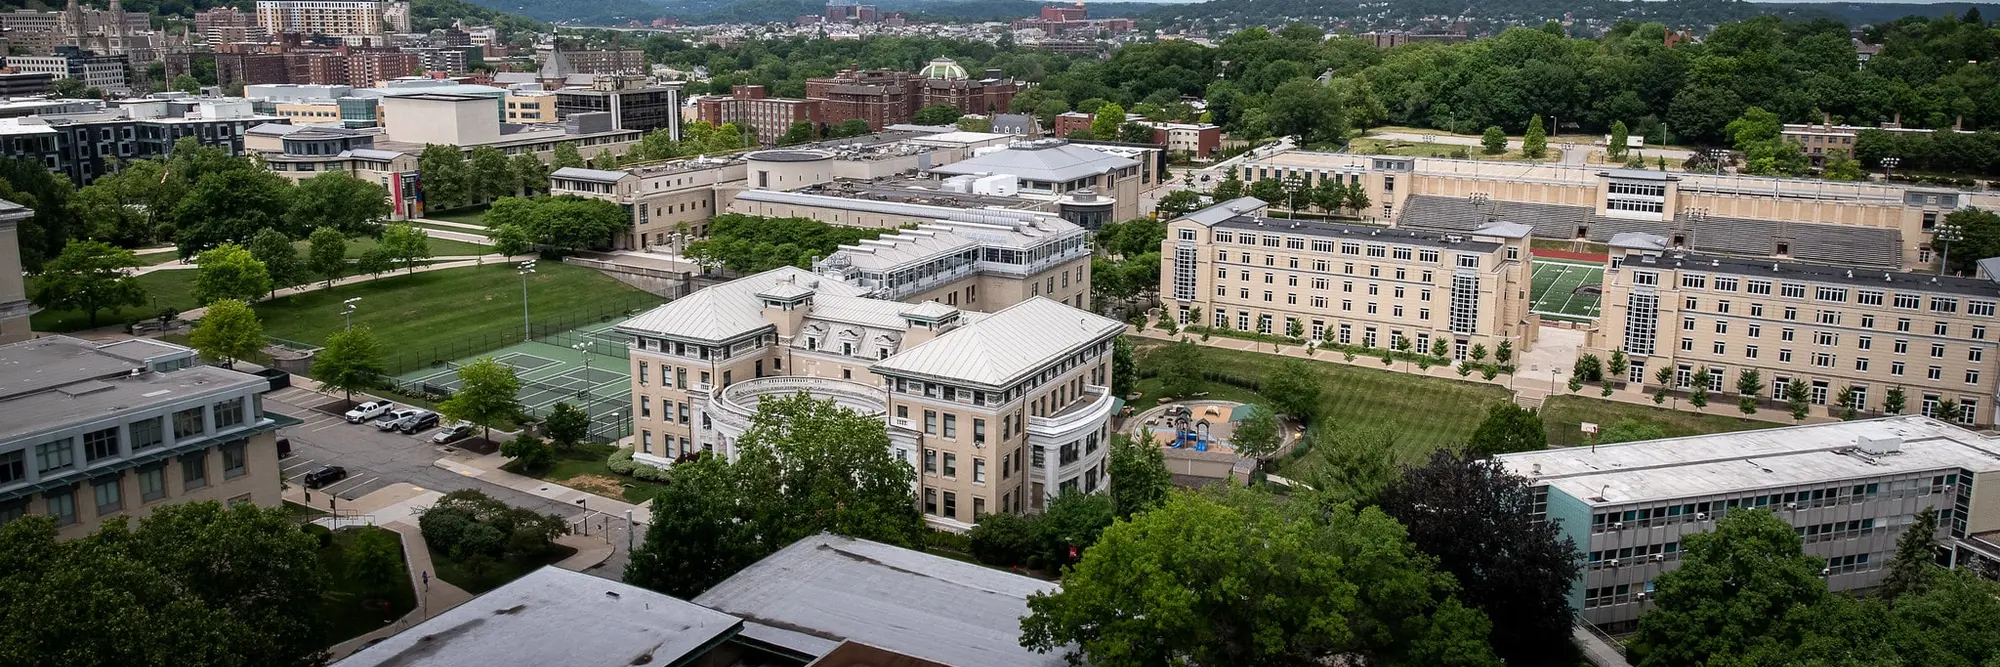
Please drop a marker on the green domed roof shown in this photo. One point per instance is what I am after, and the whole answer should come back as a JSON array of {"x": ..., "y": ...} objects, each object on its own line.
[{"x": 943, "y": 68}]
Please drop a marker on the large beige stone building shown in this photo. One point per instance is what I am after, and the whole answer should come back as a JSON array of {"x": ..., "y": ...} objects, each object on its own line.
[
  {"x": 99, "y": 430},
  {"x": 1833, "y": 327},
  {"x": 14, "y": 306},
  {"x": 996, "y": 412},
  {"x": 1229, "y": 267},
  {"x": 1855, "y": 224}
]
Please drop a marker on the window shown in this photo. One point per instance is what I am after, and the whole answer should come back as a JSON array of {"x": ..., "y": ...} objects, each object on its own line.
[
  {"x": 1907, "y": 301},
  {"x": 1825, "y": 338},
  {"x": 1749, "y": 351},
  {"x": 1755, "y": 330},
  {"x": 1934, "y": 373},
  {"x": 1725, "y": 284},
  {"x": 1718, "y": 347},
  {"x": 145, "y": 433},
  {"x": 930, "y": 422},
  {"x": 1895, "y": 368},
  {"x": 1792, "y": 291},
  {"x": 1980, "y": 308},
  {"x": 1861, "y": 364},
  {"x": 950, "y": 428},
  {"x": 979, "y": 470},
  {"x": 1757, "y": 287},
  {"x": 188, "y": 423},
  {"x": 1937, "y": 350},
  {"x": 152, "y": 483},
  {"x": 62, "y": 505},
  {"x": 951, "y": 504},
  {"x": 109, "y": 500},
  {"x": 1940, "y": 329},
  {"x": 100, "y": 445},
  {"x": 56, "y": 455},
  {"x": 1903, "y": 324},
  {"x": 1834, "y": 294},
  {"x": 194, "y": 470},
  {"x": 1868, "y": 297},
  {"x": 1784, "y": 356},
  {"x": 930, "y": 501},
  {"x": 950, "y": 464},
  {"x": 235, "y": 461},
  {"x": 1902, "y": 347},
  {"x": 13, "y": 466},
  {"x": 1941, "y": 304}
]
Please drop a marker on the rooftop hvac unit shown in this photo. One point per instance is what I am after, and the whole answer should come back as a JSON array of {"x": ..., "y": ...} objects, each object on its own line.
[{"x": 1883, "y": 445}]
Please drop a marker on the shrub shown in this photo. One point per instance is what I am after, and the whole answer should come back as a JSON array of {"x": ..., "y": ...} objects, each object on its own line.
[
  {"x": 648, "y": 472},
  {"x": 322, "y": 534},
  {"x": 948, "y": 541},
  {"x": 1002, "y": 539},
  {"x": 620, "y": 461}
]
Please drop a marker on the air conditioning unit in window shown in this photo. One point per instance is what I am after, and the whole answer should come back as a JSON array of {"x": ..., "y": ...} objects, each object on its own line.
[
  {"x": 1659, "y": 558},
  {"x": 1701, "y": 516},
  {"x": 1791, "y": 506},
  {"x": 1825, "y": 571},
  {"x": 1613, "y": 562},
  {"x": 1617, "y": 525}
]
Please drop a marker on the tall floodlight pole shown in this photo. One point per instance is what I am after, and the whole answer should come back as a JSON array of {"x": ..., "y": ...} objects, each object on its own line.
[
  {"x": 348, "y": 312},
  {"x": 527, "y": 267}
]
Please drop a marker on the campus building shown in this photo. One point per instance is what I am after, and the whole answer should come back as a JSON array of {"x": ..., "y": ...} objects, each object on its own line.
[
  {"x": 887, "y": 97},
  {"x": 632, "y": 102},
  {"x": 750, "y": 106},
  {"x": 101, "y": 430},
  {"x": 1056, "y": 168},
  {"x": 1229, "y": 267},
  {"x": 14, "y": 306},
  {"x": 1850, "y": 489},
  {"x": 84, "y": 145},
  {"x": 335, "y": 18},
  {"x": 1851, "y": 224},
  {"x": 997, "y": 412},
  {"x": 1834, "y": 327},
  {"x": 1198, "y": 141}
]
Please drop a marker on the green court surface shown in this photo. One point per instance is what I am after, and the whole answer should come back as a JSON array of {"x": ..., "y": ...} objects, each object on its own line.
[
  {"x": 1566, "y": 290},
  {"x": 552, "y": 370}
]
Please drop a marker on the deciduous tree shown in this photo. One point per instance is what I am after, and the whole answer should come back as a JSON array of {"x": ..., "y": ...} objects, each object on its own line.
[
  {"x": 1508, "y": 428},
  {"x": 280, "y": 258},
  {"x": 1295, "y": 389},
  {"x": 567, "y": 425},
  {"x": 1139, "y": 477},
  {"x": 90, "y": 276},
  {"x": 1732, "y": 595},
  {"x": 338, "y": 200},
  {"x": 1104, "y": 125},
  {"x": 350, "y": 361},
  {"x": 228, "y": 271},
  {"x": 938, "y": 114},
  {"x": 442, "y": 171},
  {"x": 326, "y": 254},
  {"x": 486, "y": 394},
  {"x": 1494, "y": 142},
  {"x": 1180, "y": 367},
  {"x": 407, "y": 244},
  {"x": 229, "y": 331}
]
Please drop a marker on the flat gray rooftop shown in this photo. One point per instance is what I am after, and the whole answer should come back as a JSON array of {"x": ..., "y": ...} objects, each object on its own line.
[
  {"x": 826, "y": 589},
  {"x": 555, "y": 618},
  {"x": 1744, "y": 461}
]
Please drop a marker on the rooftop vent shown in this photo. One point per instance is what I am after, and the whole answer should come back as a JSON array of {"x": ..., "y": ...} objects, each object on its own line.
[{"x": 1873, "y": 445}]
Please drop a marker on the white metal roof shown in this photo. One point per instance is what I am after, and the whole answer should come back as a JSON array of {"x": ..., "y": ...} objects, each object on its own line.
[
  {"x": 1048, "y": 160},
  {"x": 1743, "y": 461},
  {"x": 1006, "y": 345},
  {"x": 894, "y": 208},
  {"x": 728, "y": 310},
  {"x": 582, "y": 174},
  {"x": 1220, "y": 211}
]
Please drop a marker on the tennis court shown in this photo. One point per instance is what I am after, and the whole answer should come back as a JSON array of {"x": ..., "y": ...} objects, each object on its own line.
[
  {"x": 586, "y": 368},
  {"x": 1566, "y": 290}
]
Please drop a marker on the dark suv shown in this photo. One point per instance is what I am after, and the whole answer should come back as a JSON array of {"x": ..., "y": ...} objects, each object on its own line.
[
  {"x": 323, "y": 476},
  {"x": 417, "y": 422}
]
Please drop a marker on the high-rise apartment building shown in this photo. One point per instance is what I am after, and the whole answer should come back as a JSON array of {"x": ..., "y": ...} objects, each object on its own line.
[
  {"x": 1228, "y": 267},
  {"x": 996, "y": 412},
  {"x": 335, "y": 18},
  {"x": 1838, "y": 329}
]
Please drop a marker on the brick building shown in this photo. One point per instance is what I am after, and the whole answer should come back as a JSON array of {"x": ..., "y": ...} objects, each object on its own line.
[
  {"x": 1198, "y": 140},
  {"x": 752, "y": 106},
  {"x": 885, "y": 97}
]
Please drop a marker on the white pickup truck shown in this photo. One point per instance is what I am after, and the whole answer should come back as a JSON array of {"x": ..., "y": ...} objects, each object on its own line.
[{"x": 367, "y": 411}]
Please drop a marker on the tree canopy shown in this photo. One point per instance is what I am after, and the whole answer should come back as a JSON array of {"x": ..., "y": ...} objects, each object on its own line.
[
  {"x": 91, "y": 276},
  {"x": 749, "y": 244}
]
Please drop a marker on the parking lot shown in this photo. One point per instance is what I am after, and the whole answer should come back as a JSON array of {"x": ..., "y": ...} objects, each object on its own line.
[{"x": 375, "y": 459}]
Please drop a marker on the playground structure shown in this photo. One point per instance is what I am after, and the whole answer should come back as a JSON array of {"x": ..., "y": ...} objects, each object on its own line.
[{"x": 1203, "y": 426}]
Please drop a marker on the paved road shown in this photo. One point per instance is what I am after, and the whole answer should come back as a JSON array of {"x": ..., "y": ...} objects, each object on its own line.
[{"x": 375, "y": 459}]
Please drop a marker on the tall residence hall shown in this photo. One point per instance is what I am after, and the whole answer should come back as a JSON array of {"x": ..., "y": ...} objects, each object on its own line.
[
  {"x": 1833, "y": 327},
  {"x": 997, "y": 411},
  {"x": 1229, "y": 267},
  {"x": 1850, "y": 224},
  {"x": 1850, "y": 490},
  {"x": 99, "y": 430}
]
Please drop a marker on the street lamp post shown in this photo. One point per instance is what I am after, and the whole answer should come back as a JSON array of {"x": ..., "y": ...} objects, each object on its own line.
[
  {"x": 584, "y": 347},
  {"x": 526, "y": 268},
  {"x": 1944, "y": 236},
  {"x": 348, "y": 312}
]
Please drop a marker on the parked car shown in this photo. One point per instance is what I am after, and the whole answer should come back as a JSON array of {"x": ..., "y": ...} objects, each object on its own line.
[
  {"x": 323, "y": 476},
  {"x": 389, "y": 421},
  {"x": 453, "y": 433},
  {"x": 422, "y": 420},
  {"x": 369, "y": 410}
]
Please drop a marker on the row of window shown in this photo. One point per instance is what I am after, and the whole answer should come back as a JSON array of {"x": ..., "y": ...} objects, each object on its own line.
[
  {"x": 1790, "y": 500},
  {"x": 1829, "y": 317},
  {"x": 1428, "y": 255},
  {"x": 1829, "y": 360},
  {"x": 1318, "y": 265},
  {"x": 108, "y": 492},
  {"x": 99, "y": 445},
  {"x": 1833, "y": 294}
]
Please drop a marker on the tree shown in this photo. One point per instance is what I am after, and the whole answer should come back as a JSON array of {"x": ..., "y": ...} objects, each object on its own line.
[
  {"x": 1979, "y": 237},
  {"x": 800, "y": 132},
  {"x": 1234, "y": 578},
  {"x": 567, "y": 425},
  {"x": 1534, "y": 142},
  {"x": 852, "y": 127},
  {"x": 511, "y": 240},
  {"x": 1894, "y": 402},
  {"x": 1007, "y": 539},
  {"x": 488, "y": 174},
  {"x": 1181, "y": 369},
  {"x": 938, "y": 114},
  {"x": 1615, "y": 149},
  {"x": 1749, "y": 384},
  {"x": 1178, "y": 203},
  {"x": 1357, "y": 198},
  {"x": 228, "y": 271},
  {"x": 326, "y": 254},
  {"x": 528, "y": 452},
  {"x": 971, "y": 124},
  {"x": 1360, "y": 463},
  {"x": 1304, "y": 108},
  {"x": 350, "y": 361},
  {"x": 1104, "y": 124},
  {"x": 688, "y": 550},
  {"x": 1135, "y": 133},
  {"x": 1139, "y": 477},
  {"x": 1230, "y": 187},
  {"x": 408, "y": 244},
  {"x": 1503, "y": 354},
  {"x": 1916, "y": 557},
  {"x": 1845, "y": 400},
  {"x": 1841, "y": 166},
  {"x": 1473, "y": 515},
  {"x": 376, "y": 560},
  {"x": 1630, "y": 430},
  {"x": 337, "y": 199},
  {"x": 1270, "y": 190},
  {"x": 566, "y": 156},
  {"x": 1797, "y": 399},
  {"x": 1124, "y": 373},
  {"x": 90, "y": 276},
  {"x": 280, "y": 258},
  {"x": 1508, "y": 428},
  {"x": 1295, "y": 389},
  {"x": 229, "y": 207},
  {"x": 442, "y": 171},
  {"x": 185, "y": 84},
  {"x": 1258, "y": 435},
  {"x": 375, "y": 261},
  {"x": 531, "y": 176},
  {"x": 1732, "y": 595},
  {"x": 1665, "y": 379},
  {"x": 193, "y": 583},
  {"x": 1440, "y": 347},
  {"x": 1494, "y": 142},
  {"x": 228, "y": 332},
  {"x": 1698, "y": 393},
  {"x": 486, "y": 394}
]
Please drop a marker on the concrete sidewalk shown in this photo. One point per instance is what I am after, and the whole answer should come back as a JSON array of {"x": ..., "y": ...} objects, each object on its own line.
[
  {"x": 486, "y": 468},
  {"x": 392, "y": 506}
]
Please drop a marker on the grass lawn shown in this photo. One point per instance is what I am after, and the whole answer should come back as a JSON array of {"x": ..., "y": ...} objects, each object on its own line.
[
  {"x": 493, "y": 576},
  {"x": 155, "y": 258},
  {"x": 474, "y": 215},
  {"x": 583, "y": 468},
  {"x": 439, "y": 247},
  {"x": 168, "y": 288},
  {"x": 1563, "y": 414},
  {"x": 452, "y": 313},
  {"x": 1427, "y": 413},
  {"x": 350, "y": 608}
]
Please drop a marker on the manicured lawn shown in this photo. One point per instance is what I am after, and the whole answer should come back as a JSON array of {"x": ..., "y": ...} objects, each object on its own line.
[
  {"x": 153, "y": 258},
  {"x": 475, "y": 215},
  {"x": 583, "y": 468},
  {"x": 350, "y": 607},
  {"x": 1426, "y": 413},
  {"x": 1563, "y": 415},
  {"x": 453, "y": 313},
  {"x": 166, "y": 288},
  {"x": 476, "y": 581},
  {"x": 439, "y": 247}
]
